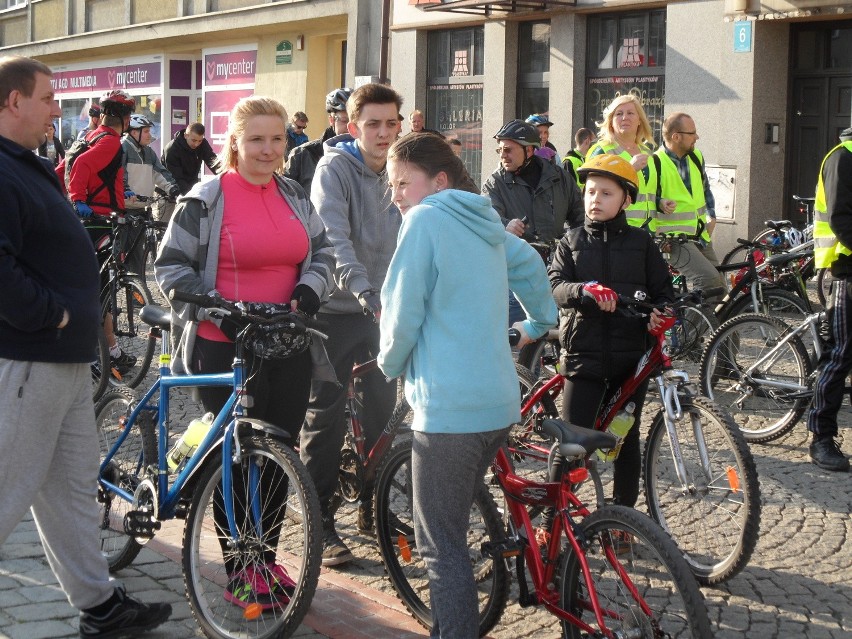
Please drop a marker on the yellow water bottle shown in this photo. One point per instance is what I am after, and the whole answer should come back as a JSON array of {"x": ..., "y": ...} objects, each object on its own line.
[
  {"x": 189, "y": 441},
  {"x": 619, "y": 426}
]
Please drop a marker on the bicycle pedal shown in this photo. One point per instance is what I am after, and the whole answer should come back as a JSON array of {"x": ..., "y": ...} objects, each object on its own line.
[
  {"x": 502, "y": 549},
  {"x": 138, "y": 523}
]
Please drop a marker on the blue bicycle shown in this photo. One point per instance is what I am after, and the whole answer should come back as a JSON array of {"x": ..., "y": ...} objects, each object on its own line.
[{"x": 251, "y": 546}]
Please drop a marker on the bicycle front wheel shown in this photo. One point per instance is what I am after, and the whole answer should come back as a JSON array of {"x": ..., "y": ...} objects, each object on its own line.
[
  {"x": 713, "y": 513},
  {"x": 131, "y": 334},
  {"x": 695, "y": 325},
  {"x": 260, "y": 584},
  {"x": 643, "y": 585},
  {"x": 126, "y": 469},
  {"x": 407, "y": 570},
  {"x": 764, "y": 385}
]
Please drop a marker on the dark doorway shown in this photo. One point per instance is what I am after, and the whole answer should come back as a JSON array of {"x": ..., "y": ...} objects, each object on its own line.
[{"x": 821, "y": 105}]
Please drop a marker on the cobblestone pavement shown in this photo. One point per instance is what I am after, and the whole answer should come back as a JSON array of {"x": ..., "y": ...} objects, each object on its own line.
[{"x": 796, "y": 585}]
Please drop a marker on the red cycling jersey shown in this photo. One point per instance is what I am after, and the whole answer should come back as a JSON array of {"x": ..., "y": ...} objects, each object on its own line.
[{"x": 85, "y": 182}]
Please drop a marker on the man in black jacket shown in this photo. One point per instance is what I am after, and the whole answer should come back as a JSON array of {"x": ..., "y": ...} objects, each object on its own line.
[
  {"x": 302, "y": 161},
  {"x": 183, "y": 156},
  {"x": 49, "y": 315}
]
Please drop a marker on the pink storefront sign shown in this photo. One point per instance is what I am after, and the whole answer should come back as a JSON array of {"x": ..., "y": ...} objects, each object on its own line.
[
  {"x": 234, "y": 67},
  {"x": 130, "y": 76}
]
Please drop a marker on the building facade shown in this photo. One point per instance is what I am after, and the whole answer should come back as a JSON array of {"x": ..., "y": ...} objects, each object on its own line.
[
  {"x": 769, "y": 83},
  {"x": 191, "y": 60}
]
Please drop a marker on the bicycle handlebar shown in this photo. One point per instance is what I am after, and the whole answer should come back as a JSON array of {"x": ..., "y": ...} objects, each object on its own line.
[{"x": 299, "y": 321}]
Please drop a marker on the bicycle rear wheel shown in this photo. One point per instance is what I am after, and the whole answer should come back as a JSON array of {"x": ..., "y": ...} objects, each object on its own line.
[
  {"x": 634, "y": 566},
  {"x": 407, "y": 570},
  {"x": 768, "y": 400},
  {"x": 261, "y": 585},
  {"x": 714, "y": 516},
  {"x": 100, "y": 367},
  {"x": 131, "y": 334},
  {"x": 695, "y": 325},
  {"x": 125, "y": 469}
]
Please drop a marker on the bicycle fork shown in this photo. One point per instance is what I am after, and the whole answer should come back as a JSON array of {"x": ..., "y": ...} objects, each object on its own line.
[{"x": 668, "y": 385}]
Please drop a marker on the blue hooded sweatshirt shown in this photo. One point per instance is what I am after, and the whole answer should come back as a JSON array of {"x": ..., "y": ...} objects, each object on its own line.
[{"x": 444, "y": 310}]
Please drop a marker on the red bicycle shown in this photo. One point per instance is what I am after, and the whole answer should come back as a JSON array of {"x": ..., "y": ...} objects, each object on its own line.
[{"x": 700, "y": 479}]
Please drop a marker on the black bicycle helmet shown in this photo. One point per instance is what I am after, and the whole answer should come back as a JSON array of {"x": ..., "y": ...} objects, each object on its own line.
[
  {"x": 521, "y": 132},
  {"x": 95, "y": 111},
  {"x": 117, "y": 102},
  {"x": 336, "y": 100}
]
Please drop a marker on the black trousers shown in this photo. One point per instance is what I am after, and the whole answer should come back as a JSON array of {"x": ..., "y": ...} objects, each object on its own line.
[{"x": 280, "y": 391}]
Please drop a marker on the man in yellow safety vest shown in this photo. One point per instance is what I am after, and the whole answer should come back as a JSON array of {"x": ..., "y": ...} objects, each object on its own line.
[
  {"x": 832, "y": 242},
  {"x": 684, "y": 202}
]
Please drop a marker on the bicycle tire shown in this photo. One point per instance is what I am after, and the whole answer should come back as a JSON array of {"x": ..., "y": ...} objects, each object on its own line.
[
  {"x": 541, "y": 357},
  {"x": 740, "y": 252},
  {"x": 762, "y": 415},
  {"x": 131, "y": 334},
  {"x": 100, "y": 367},
  {"x": 716, "y": 521},
  {"x": 398, "y": 548},
  {"x": 298, "y": 546},
  {"x": 824, "y": 285},
  {"x": 126, "y": 468},
  {"x": 691, "y": 333},
  {"x": 652, "y": 566},
  {"x": 777, "y": 302}
]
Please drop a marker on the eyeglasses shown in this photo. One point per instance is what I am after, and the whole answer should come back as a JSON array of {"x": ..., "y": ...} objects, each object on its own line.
[
  {"x": 686, "y": 132},
  {"x": 300, "y": 127},
  {"x": 341, "y": 119},
  {"x": 503, "y": 150}
]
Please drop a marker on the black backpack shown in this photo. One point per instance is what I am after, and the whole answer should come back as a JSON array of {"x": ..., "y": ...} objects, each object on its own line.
[{"x": 107, "y": 174}]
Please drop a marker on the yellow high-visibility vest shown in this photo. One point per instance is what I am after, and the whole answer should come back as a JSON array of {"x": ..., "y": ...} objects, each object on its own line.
[
  {"x": 826, "y": 246},
  {"x": 637, "y": 212},
  {"x": 574, "y": 160},
  {"x": 691, "y": 207}
]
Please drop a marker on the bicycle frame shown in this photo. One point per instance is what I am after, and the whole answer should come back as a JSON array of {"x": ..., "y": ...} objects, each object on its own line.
[
  {"x": 521, "y": 492},
  {"x": 222, "y": 433},
  {"x": 656, "y": 364},
  {"x": 369, "y": 459}
]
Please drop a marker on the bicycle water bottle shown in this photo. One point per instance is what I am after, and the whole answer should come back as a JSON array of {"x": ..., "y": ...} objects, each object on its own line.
[
  {"x": 189, "y": 441},
  {"x": 619, "y": 426}
]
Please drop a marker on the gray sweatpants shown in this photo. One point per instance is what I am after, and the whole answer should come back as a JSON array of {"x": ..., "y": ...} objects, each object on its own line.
[
  {"x": 446, "y": 470},
  {"x": 49, "y": 461}
]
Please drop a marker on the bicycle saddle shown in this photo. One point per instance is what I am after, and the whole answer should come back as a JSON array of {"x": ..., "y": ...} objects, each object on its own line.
[
  {"x": 154, "y": 315},
  {"x": 778, "y": 225},
  {"x": 576, "y": 441}
]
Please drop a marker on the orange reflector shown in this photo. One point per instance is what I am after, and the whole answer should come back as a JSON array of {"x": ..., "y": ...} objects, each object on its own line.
[
  {"x": 733, "y": 479},
  {"x": 253, "y": 611},
  {"x": 576, "y": 475},
  {"x": 404, "y": 548}
]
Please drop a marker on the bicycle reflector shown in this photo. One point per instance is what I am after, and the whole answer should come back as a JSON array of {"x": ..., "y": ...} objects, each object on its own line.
[
  {"x": 253, "y": 611},
  {"x": 577, "y": 475},
  {"x": 733, "y": 479},
  {"x": 404, "y": 549}
]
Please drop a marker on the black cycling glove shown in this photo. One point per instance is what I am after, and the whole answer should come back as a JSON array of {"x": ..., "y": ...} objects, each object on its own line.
[{"x": 307, "y": 299}]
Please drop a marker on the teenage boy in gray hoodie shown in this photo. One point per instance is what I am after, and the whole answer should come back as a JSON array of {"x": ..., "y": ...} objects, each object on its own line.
[{"x": 351, "y": 194}]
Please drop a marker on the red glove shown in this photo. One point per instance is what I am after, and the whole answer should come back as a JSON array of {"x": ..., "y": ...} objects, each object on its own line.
[{"x": 598, "y": 292}]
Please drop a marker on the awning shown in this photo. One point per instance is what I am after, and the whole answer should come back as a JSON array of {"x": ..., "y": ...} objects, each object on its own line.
[{"x": 478, "y": 7}]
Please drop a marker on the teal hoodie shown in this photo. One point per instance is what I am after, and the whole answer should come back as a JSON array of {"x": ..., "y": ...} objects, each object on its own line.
[{"x": 444, "y": 311}]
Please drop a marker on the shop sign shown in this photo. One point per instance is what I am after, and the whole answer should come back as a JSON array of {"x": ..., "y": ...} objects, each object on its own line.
[
  {"x": 284, "y": 52},
  {"x": 235, "y": 67},
  {"x": 131, "y": 76}
]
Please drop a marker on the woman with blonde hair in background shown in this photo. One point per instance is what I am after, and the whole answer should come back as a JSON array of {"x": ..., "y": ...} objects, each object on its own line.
[
  {"x": 250, "y": 235},
  {"x": 626, "y": 132}
]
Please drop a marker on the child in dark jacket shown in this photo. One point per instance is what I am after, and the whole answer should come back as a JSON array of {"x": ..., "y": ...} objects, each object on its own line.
[{"x": 602, "y": 347}]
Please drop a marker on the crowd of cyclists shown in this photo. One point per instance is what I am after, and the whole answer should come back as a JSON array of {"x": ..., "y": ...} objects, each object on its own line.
[{"x": 384, "y": 237}]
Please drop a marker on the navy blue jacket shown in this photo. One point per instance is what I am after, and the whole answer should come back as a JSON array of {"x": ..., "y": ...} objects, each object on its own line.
[{"x": 47, "y": 264}]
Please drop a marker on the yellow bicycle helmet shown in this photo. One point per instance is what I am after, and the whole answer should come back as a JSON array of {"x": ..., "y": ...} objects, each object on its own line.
[{"x": 615, "y": 167}]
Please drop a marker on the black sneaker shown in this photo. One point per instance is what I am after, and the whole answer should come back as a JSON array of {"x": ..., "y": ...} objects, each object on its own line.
[
  {"x": 123, "y": 362},
  {"x": 334, "y": 551},
  {"x": 128, "y": 617},
  {"x": 826, "y": 453}
]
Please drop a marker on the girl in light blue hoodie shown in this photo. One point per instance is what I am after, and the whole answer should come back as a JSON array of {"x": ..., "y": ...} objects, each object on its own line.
[{"x": 443, "y": 326}]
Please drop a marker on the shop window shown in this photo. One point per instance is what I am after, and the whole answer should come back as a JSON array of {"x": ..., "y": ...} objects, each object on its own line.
[
  {"x": 627, "y": 54},
  {"x": 533, "y": 95},
  {"x": 454, "y": 90}
]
